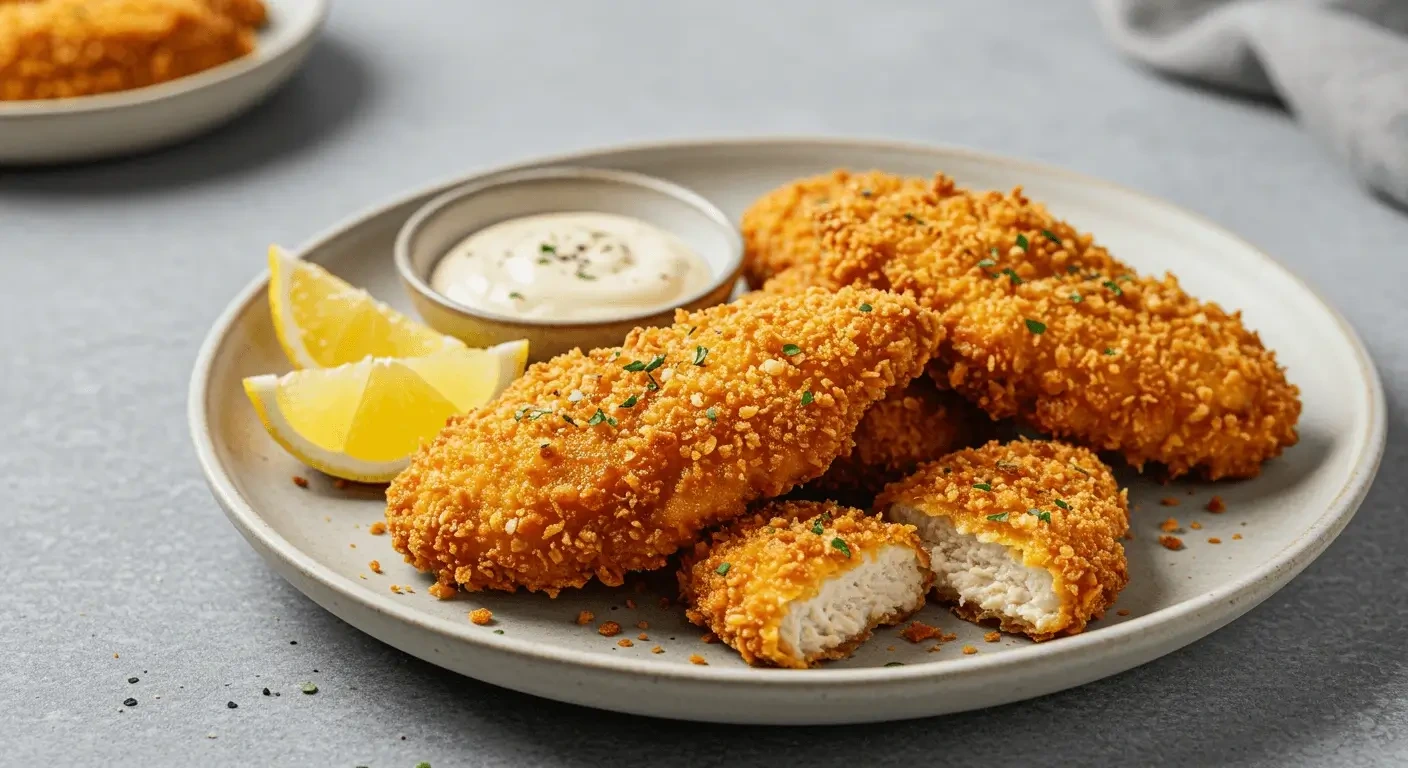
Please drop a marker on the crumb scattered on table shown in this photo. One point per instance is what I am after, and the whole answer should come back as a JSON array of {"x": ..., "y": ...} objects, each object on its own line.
[
  {"x": 585, "y": 617},
  {"x": 1171, "y": 542},
  {"x": 1169, "y": 526},
  {"x": 1214, "y": 540},
  {"x": 351, "y": 545},
  {"x": 625, "y": 642},
  {"x": 709, "y": 637},
  {"x": 481, "y": 616},
  {"x": 1216, "y": 505},
  {"x": 969, "y": 650},
  {"x": 1236, "y": 537},
  {"x": 609, "y": 629},
  {"x": 1169, "y": 501},
  {"x": 664, "y": 603},
  {"x": 300, "y": 481},
  {"x": 695, "y": 658},
  {"x": 1195, "y": 525},
  {"x": 376, "y": 529},
  {"x": 657, "y": 649},
  {"x": 642, "y": 624},
  {"x": 1123, "y": 612},
  {"x": 442, "y": 591},
  {"x": 992, "y": 637},
  {"x": 918, "y": 632},
  {"x": 642, "y": 636},
  {"x": 375, "y": 565},
  {"x": 396, "y": 588},
  {"x": 630, "y": 603}
]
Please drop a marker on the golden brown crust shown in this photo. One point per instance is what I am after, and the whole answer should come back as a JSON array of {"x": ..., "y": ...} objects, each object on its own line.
[
  {"x": 1008, "y": 493},
  {"x": 64, "y": 48},
  {"x": 778, "y": 232},
  {"x": 910, "y": 426},
  {"x": 741, "y": 583},
  {"x": 1062, "y": 335},
  {"x": 512, "y": 494}
]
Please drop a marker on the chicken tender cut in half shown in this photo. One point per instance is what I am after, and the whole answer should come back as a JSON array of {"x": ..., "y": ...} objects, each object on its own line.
[
  {"x": 800, "y": 582},
  {"x": 912, "y": 425},
  {"x": 63, "y": 48},
  {"x": 602, "y": 463},
  {"x": 778, "y": 230},
  {"x": 1027, "y": 533},
  {"x": 1044, "y": 325}
]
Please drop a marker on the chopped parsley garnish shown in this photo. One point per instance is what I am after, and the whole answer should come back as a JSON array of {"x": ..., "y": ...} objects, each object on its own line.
[
  {"x": 630, "y": 402},
  {"x": 839, "y": 543},
  {"x": 1051, "y": 236},
  {"x": 866, "y": 307},
  {"x": 1076, "y": 298},
  {"x": 1036, "y": 326},
  {"x": 807, "y": 397},
  {"x": 515, "y": 295},
  {"x": 544, "y": 260},
  {"x": 1125, "y": 278},
  {"x": 700, "y": 353},
  {"x": 497, "y": 632},
  {"x": 691, "y": 331},
  {"x": 1063, "y": 505},
  {"x": 912, "y": 218},
  {"x": 1012, "y": 275},
  {"x": 615, "y": 354},
  {"x": 1078, "y": 468},
  {"x": 548, "y": 248},
  {"x": 712, "y": 414},
  {"x": 993, "y": 250},
  {"x": 866, "y": 193},
  {"x": 1000, "y": 517},
  {"x": 575, "y": 396},
  {"x": 894, "y": 663},
  {"x": 1043, "y": 516},
  {"x": 722, "y": 570},
  {"x": 1072, "y": 269},
  {"x": 816, "y": 527},
  {"x": 983, "y": 487},
  {"x": 1111, "y": 351},
  {"x": 1022, "y": 242},
  {"x": 634, "y": 366},
  {"x": 599, "y": 417},
  {"x": 650, "y": 382},
  {"x": 568, "y": 419},
  {"x": 532, "y": 413},
  {"x": 1008, "y": 466},
  {"x": 791, "y": 349},
  {"x": 1113, "y": 286},
  {"x": 655, "y": 362},
  {"x": 985, "y": 263},
  {"x": 308, "y": 688}
]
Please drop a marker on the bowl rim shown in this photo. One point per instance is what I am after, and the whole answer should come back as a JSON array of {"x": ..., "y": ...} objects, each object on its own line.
[{"x": 401, "y": 252}]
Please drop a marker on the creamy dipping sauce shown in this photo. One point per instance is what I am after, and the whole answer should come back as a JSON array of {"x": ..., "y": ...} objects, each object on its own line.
[{"x": 570, "y": 266}]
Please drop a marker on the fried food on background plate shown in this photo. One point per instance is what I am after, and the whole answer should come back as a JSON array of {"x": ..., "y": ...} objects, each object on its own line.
[
  {"x": 596, "y": 464},
  {"x": 778, "y": 230},
  {"x": 53, "y": 49},
  {"x": 799, "y": 582},
  {"x": 1027, "y": 533},
  {"x": 1044, "y": 325}
]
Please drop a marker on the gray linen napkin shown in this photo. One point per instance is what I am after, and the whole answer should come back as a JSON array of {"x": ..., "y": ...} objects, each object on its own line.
[{"x": 1341, "y": 66}]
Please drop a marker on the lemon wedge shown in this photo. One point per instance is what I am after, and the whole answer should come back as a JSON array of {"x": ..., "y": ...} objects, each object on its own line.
[
  {"x": 322, "y": 322},
  {"x": 361, "y": 421}
]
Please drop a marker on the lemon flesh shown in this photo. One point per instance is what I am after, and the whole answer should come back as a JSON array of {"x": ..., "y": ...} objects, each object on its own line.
[
  {"x": 323, "y": 322},
  {"x": 362, "y": 421}
]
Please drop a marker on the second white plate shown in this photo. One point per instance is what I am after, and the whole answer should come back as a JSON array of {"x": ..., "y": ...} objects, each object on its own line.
[
  {"x": 125, "y": 122},
  {"x": 1273, "y": 527}
]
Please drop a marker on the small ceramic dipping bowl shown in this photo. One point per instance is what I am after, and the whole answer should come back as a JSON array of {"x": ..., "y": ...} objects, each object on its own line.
[{"x": 443, "y": 222}]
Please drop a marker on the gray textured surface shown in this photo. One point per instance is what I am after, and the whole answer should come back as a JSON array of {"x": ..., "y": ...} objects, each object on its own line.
[{"x": 112, "y": 274}]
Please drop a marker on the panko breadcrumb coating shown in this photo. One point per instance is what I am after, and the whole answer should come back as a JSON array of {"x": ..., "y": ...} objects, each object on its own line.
[
  {"x": 602, "y": 463},
  {"x": 62, "y": 48},
  {"x": 1027, "y": 533},
  {"x": 1044, "y": 325},
  {"x": 778, "y": 231},
  {"x": 800, "y": 582},
  {"x": 910, "y": 426}
]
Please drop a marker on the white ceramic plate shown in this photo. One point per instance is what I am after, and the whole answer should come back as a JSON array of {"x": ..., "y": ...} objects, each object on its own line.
[
  {"x": 1285, "y": 518},
  {"x": 112, "y": 124}
]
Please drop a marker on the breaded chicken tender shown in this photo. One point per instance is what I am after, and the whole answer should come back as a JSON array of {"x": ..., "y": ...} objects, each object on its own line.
[
  {"x": 800, "y": 582},
  {"x": 912, "y": 425},
  {"x": 61, "y": 48},
  {"x": 602, "y": 463},
  {"x": 1044, "y": 325},
  {"x": 778, "y": 230},
  {"x": 1027, "y": 533}
]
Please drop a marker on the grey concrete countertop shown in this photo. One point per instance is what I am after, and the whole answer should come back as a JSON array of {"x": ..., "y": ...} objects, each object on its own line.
[{"x": 120, "y": 565}]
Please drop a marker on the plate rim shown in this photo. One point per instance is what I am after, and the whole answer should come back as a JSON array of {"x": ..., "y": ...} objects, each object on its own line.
[
  {"x": 261, "y": 56},
  {"x": 1255, "y": 586}
]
